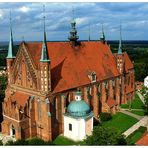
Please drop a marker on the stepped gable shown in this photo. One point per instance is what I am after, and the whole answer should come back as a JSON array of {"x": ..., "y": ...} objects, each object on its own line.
[{"x": 70, "y": 65}]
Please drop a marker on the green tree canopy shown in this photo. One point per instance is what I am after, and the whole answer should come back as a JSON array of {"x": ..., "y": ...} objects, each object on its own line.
[{"x": 105, "y": 136}]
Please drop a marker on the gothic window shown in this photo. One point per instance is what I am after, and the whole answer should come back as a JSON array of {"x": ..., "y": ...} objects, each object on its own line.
[
  {"x": 89, "y": 96},
  {"x": 54, "y": 103}
]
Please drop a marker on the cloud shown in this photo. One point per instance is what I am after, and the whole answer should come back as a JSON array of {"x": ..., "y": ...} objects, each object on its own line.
[
  {"x": 24, "y": 9},
  {"x": 28, "y": 20}
]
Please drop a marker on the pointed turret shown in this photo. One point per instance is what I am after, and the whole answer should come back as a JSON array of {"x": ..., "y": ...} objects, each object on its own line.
[
  {"x": 120, "y": 43},
  {"x": 10, "y": 48},
  {"x": 102, "y": 35},
  {"x": 45, "y": 70},
  {"x": 44, "y": 55},
  {"x": 73, "y": 33},
  {"x": 89, "y": 34}
]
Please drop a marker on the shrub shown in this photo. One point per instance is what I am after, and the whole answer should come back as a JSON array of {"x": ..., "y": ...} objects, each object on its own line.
[
  {"x": 105, "y": 116},
  {"x": 36, "y": 141},
  {"x": 20, "y": 142},
  {"x": 142, "y": 129},
  {"x": 1, "y": 143},
  {"x": 9, "y": 142},
  {"x": 121, "y": 140}
]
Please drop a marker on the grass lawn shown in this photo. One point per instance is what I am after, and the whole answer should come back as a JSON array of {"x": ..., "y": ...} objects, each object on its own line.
[
  {"x": 140, "y": 113},
  {"x": 135, "y": 104},
  {"x": 121, "y": 122},
  {"x": 61, "y": 140},
  {"x": 135, "y": 136}
]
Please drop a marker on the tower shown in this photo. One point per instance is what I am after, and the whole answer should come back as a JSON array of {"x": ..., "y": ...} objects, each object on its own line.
[
  {"x": 10, "y": 57},
  {"x": 73, "y": 33},
  {"x": 45, "y": 63},
  {"x": 120, "y": 59},
  {"x": 102, "y": 35}
]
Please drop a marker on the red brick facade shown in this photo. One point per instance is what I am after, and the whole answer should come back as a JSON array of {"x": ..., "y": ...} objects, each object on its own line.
[{"x": 38, "y": 93}]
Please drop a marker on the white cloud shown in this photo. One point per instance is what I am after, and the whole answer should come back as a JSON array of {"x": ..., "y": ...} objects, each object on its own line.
[
  {"x": 82, "y": 21},
  {"x": 24, "y": 9}
]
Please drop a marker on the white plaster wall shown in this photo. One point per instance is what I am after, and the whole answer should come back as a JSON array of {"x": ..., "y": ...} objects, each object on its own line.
[
  {"x": 78, "y": 128},
  {"x": 146, "y": 82}
]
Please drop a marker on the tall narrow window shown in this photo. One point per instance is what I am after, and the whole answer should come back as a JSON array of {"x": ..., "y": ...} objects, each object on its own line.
[{"x": 70, "y": 127}]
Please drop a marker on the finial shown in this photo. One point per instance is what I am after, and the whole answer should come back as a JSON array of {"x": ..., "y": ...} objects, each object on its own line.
[
  {"x": 120, "y": 42},
  {"x": 89, "y": 33},
  {"x": 73, "y": 13},
  {"x": 44, "y": 16},
  {"x": 102, "y": 36},
  {"x": 10, "y": 48},
  {"x": 44, "y": 54}
]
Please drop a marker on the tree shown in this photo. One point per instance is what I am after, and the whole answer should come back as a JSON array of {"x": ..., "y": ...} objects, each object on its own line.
[
  {"x": 104, "y": 136},
  {"x": 146, "y": 103}
]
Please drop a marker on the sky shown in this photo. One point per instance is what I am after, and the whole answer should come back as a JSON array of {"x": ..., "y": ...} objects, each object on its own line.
[{"x": 27, "y": 20}]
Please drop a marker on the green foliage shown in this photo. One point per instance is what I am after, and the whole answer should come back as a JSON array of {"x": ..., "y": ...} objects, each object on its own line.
[
  {"x": 136, "y": 103},
  {"x": 9, "y": 142},
  {"x": 105, "y": 116},
  {"x": 136, "y": 135},
  {"x": 32, "y": 141},
  {"x": 104, "y": 136},
  {"x": 146, "y": 103},
  {"x": 36, "y": 141},
  {"x": 60, "y": 140},
  {"x": 3, "y": 84},
  {"x": 1, "y": 143},
  {"x": 121, "y": 140},
  {"x": 121, "y": 122},
  {"x": 20, "y": 142}
]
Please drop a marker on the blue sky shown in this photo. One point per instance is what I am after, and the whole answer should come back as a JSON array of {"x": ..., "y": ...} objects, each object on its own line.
[{"x": 27, "y": 20}]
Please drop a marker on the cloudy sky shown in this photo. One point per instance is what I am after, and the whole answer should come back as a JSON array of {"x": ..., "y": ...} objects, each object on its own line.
[{"x": 27, "y": 20}]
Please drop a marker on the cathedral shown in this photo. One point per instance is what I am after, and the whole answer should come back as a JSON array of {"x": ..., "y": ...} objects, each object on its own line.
[{"x": 45, "y": 77}]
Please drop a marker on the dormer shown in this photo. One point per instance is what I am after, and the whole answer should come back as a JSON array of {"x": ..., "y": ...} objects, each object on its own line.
[{"x": 92, "y": 76}]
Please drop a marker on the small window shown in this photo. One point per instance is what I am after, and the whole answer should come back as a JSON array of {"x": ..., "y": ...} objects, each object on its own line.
[{"x": 70, "y": 127}]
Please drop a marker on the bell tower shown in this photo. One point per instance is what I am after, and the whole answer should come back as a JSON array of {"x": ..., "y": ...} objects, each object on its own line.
[
  {"x": 120, "y": 58},
  {"x": 102, "y": 35},
  {"x": 45, "y": 64},
  {"x": 10, "y": 56}
]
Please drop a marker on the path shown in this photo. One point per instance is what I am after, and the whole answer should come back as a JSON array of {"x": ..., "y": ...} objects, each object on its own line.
[
  {"x": 141, "y": 97},
  {"x": 142, "y": 122},
  {"x": 131, "y": 114}
]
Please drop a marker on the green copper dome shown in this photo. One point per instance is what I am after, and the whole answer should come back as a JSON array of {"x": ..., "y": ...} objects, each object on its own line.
[{"x": 78, "y": 108}]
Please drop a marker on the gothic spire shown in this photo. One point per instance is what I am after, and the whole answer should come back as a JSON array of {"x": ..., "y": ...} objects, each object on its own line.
[
  {"x": 44, "y": 55},
  {"x": 120, "y": 42},
  {"x": 10, "y": 48},
  {"x": 73, "y": 33},
  {"x": 89, "y": 33},
  {"x": 102, "y": 35}
]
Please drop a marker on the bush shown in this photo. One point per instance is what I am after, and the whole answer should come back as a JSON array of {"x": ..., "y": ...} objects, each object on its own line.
[
  {"x": 36, "y": 141},
  {"x": 121, "y": 140},
  {"x": 9, "y": 142},
  {"x": 142, "y": 129},
  {"x": 1, "y": 143},
  {"x": 105, "y": 116},
  {"x": 20, "y": 142}
]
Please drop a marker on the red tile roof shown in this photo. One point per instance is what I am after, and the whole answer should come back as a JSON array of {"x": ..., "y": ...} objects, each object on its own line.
[
  {"x": 143, "y": 141},
  {"x": 128, "y": 62},
  {"x": 20, "y": 98},
  {"x": 70, "y": 66},
  {"x": 111, "y": 102}
]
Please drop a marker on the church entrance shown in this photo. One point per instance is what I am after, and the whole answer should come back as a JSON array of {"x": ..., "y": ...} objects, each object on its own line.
[{"x": 12, "y": 131}]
